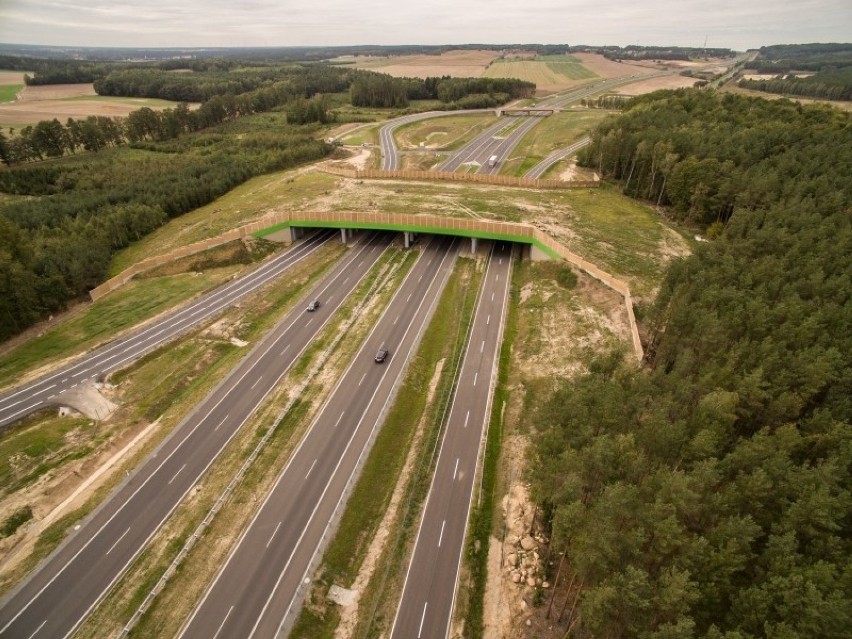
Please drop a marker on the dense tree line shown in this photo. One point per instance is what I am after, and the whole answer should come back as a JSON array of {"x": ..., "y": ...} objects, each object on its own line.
[
  {"x": 637, "y": 52},
  {"x": 56, "y": 244},
  {"x": 51, "y": 138},
  {"x": 708, "y": 495},
  {"x": 704, "y": 154},
  {"x": 834, "y": 84},
  {"x": 370, "y": 89},
  {"x": 783, "y": 58},
  {"x": 304, "y": 80}
]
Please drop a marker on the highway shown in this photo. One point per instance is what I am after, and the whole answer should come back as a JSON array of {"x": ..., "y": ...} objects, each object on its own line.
[
  {"x": 486, "y": 145},
  {"x": 45, "y": 391},
  {"x": 259, "y": 589},
  {"x": 58, "y": 596},
  {"x": 428, "y": 597}
]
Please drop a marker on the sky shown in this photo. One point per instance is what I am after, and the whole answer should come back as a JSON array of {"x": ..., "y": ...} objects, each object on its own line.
[{"x": 735, "y": 24}]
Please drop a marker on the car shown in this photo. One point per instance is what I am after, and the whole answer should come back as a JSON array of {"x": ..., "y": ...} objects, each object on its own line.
[
  {"x": 313, "y": 306},
  {"x": 382, "y": 355}
]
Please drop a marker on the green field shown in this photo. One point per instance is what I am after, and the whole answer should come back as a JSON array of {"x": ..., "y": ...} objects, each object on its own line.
[
  {"x": 8, "y": 92},
  {"x": 549, "y": 72}
]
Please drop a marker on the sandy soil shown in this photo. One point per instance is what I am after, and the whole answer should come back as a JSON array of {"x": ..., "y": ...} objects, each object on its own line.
[
  {"x": 457, "y": 64},
  {"x": 11, "y": 77}
]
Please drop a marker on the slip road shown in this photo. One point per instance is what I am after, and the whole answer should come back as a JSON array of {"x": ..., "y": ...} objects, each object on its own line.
[{"x": 70, "y": 583}]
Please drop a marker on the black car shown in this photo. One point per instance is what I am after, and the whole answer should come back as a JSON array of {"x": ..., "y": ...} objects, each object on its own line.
[
  {"x": 313, "y": 306},
  {"x": 382, "y": 355}
]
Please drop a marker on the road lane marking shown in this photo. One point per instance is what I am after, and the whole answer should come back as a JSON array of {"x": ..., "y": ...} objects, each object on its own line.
[
  {"x": 176, "y": 474},
  {"x": 419, "y": 278},
  {"x": 339, "y": 418},
  {"x": 111, "y": 548},
  {"x": 475, "y": 376},
  {"x": 223, "y": 421},
  {"x": 311, "y": 469},
  {"x": 466, "y": 417},
  {"x": 274, "y": 532},
  {"x": 396, "y": 320},
  {"x": 456, "y": 470},
  {"x": 441, "y": 537},
  {"x": 492, "y": 297},
  {"x": 408, "y": 299},
  {"x": 284, "y": 350},
  {"x": 257, "y": 381},
  {"x": 23, "y": 411},
  {"x": 488, "y": 320},
  {"x": 482, "y": 346},
  {"x": 497, "y": 278},
  {"x": 362, "y": 378},
  {"x": 37, "y": 629},
  {"x": 222, "y": 625},
  {"x": 501, "y": 261},
  {"x": 422, "y": 619}
]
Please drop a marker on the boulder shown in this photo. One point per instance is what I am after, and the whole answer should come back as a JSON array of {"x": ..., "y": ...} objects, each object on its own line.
[{"x": 528, "y": 543}]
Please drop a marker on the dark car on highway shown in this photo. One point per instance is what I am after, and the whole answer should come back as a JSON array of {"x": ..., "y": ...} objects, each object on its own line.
[{"x": 382, "y": 355}]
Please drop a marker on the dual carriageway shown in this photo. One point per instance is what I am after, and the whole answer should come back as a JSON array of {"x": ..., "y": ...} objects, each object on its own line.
[{"x": 258, "y": 590}]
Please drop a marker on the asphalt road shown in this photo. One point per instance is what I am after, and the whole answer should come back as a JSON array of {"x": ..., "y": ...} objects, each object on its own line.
[
  {"x": 539, "y": 169},
  {"x": 70, "y": 583},
  {"x": 46, "y": 391},
  {"x": 258, "y": 591},
  {"x": 390, "y": 153},
  {"x": 428, "y": 597}
]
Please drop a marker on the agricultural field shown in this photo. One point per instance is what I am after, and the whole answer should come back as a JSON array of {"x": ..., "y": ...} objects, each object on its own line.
[
  {"x": 456, "y": 64},
  {"x": 549, "y": 73},
  {"x": 63, "y": 101}
]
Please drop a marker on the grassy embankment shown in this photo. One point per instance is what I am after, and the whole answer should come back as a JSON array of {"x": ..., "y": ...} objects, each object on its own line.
[
  {"x": 317, "y": 372},
  {"x": 553, "y": 132}
]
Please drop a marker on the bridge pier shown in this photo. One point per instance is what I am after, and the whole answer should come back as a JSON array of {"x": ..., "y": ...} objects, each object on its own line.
[{"x": 474, "y": 244}]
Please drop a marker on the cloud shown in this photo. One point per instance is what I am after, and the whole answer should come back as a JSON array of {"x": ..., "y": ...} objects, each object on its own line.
[{"x": 192, "y": 23}]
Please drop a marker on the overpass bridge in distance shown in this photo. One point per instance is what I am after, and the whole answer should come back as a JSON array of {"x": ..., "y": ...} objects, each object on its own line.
[{"x": 526, "y": 111}]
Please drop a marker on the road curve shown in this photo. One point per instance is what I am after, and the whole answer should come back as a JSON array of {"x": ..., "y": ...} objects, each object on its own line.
[
  {"x": 46, "y": 391},
  {"x": 541, "y": 168},
  {"x": 258, "y": 590},
  {"x": 390, "y": 153},
  {"x": 56, "y": 598},
  {"x": 428, "y": 596}
]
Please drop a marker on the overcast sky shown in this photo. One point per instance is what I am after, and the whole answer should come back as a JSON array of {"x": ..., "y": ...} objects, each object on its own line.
[{"x": 737, "y": 24}]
